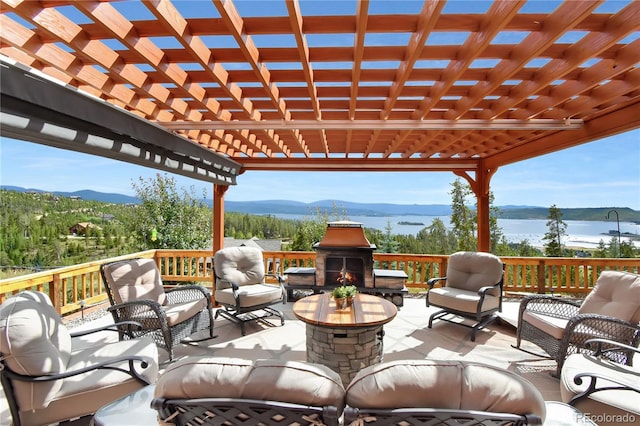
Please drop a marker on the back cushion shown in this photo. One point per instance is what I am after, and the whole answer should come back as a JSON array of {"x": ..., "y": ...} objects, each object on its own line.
[
  {"x": 241, "y": 265},
  {"x": 274, "y": 380},
  {"x": 135, "y": 279},
  {"x": 456, "y": 385},
  {"x": 33, "y": 342},
  {"x": 204, "y": 377},
  {"x": 295, "y": 382},
  {"x": 616, "y": 294},
  {"x": 472, "y": 270}
]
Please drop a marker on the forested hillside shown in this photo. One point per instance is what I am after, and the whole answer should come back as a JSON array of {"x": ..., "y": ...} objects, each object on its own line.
[{"x": 37, "y": 233}]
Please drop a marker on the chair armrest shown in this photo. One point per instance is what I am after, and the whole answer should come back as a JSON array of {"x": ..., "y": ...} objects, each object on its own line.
[
  {"x": 584, "y": 327},
  {"x": 483, "y": 290},
  {"x": 130, "y": 311},
  {"x": 432, "y": 281},
  {"x": 280, "y": 278},
  {"x": 104, "y": 365},
  {"x": 108, "y": 327},
  {"x": 186, "y": 293},
  {"x": 548, "y": 305},
  {"x": 281, "y": 281},
  {"x": 615, "y": 378},
  {"x": 612, "y": 345}
]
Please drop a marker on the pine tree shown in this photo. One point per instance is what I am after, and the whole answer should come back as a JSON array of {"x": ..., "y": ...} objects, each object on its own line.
[{"x": 556, "y": 230}]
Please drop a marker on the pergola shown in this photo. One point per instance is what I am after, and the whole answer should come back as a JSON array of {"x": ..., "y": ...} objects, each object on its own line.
[{"x": 229, "y": 87}]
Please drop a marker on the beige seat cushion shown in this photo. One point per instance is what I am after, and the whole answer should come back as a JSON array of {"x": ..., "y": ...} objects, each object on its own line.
[
  {"x": 455, "y": 385},
  {"x": 611, "y": 402},
  {"x": 135, "y": 279},
  {"x": 551, "y": 325},
  {"x": 272, "y": 380},
  {"x": 461, "y": 300},
  {"x": 250, "y": 295},
  {"x": 179, "y": 312}
]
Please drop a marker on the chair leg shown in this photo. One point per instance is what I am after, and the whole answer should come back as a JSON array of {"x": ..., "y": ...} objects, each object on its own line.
[{"x": 436, "y": 315}]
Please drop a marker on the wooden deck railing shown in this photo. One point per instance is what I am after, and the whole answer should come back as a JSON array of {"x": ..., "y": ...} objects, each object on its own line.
[{"x": 73, "y": 287}]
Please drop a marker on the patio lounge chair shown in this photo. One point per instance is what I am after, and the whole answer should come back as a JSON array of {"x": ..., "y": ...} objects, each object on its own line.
[
  {"x": 137, "y": 294},
  {"x": 217, "y": 391},
  {"x": 441, "y": 392},
  {"x": 472, "y": 290},
  {"x": 241, "y": 287},
  {"x": 46, "y": 380},
  {"x": 561, "y": 327},
  {"x": 595, "y": 384}
]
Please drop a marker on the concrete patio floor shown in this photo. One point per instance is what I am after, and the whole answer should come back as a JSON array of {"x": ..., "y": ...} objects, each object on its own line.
[{"x": 406, "y": 337}]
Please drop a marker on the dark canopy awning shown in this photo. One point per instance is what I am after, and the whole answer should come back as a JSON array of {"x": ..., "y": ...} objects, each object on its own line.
[{"x": 36, "y": 109}]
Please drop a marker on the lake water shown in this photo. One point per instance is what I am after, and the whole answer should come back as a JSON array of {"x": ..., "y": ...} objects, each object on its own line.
[{"x": 580, "y": 233}]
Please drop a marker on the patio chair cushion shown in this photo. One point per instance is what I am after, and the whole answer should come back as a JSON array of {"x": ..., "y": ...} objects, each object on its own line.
[
  {"x": 461, "y": 300},
  {"x": 250, "y": 295},
  {"x": 553, "y": 326},
  {"x": 179, "y": 312},
  {"x": 457, "y": 385},
  {"x": 240, "y": 265},
  {"x": 272, "y": 380},
  {"x": 135, "y": 279},
  {"x": 611, "y": 402},
  {"x": 472, "y": 270},
  {"x": 34, "y": 342},
  {"x": 616, "y": 294}
]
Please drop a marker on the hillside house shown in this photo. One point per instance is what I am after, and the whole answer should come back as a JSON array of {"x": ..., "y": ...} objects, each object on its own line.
[{"x": 81, "y": 228}]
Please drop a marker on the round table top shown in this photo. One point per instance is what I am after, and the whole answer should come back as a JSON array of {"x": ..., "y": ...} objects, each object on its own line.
[{"x": 367, "y": 310}]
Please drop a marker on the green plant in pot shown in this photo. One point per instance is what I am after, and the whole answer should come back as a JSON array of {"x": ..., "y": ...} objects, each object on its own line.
[
  {"x": 344, "y": 295},
  {"x": 340, "y": 296},
  {"x": 350, "y": 292}
]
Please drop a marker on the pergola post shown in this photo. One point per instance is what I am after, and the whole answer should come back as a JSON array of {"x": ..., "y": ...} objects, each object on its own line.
[
  {"x": 480, "y": 187},
  {"x": 482, "y": 194},
  {"x": 218, "y": 216}
]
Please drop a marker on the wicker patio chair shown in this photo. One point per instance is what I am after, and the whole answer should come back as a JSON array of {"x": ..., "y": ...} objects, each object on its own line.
[
  {"x": 229, "y": 391},
  {"x": 136, "y": 293},
  {"x": 241, "y": 287},
  {"x": 48, "y": 379},
  {"x": 561, "y": 327},
  {"x": 437, "y": 392},
  {"x": 473, "y": 290}
]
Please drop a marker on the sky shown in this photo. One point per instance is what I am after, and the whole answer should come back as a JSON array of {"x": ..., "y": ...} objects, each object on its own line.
[{"x": 603, "y": 173}]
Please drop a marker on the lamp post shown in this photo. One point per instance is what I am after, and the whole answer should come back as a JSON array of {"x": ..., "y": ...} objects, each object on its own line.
[{"x": 618, "y": 222}]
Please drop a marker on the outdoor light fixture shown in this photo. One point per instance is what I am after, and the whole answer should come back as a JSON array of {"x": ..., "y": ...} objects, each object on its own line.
[{"x": 618, "y": 222}]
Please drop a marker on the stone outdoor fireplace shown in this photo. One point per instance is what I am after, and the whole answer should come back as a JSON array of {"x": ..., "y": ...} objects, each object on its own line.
[{"x": 344, "y": 256}]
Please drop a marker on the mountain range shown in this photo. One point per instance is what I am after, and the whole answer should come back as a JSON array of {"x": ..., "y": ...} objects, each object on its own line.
[{"x": 358, "y": 209}]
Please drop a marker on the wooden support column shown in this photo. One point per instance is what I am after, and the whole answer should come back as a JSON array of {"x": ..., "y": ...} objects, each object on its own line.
[
  {"x": 218, "y": 216},
  {"x": 484, "y": 231},
  {"x": 480, "y": 187}
]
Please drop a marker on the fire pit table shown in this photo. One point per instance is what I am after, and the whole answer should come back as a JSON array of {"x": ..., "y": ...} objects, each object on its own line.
[{"x": 345, "y": 340}]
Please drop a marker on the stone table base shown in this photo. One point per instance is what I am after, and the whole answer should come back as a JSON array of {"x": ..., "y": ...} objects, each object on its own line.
[{"x": 345, "y": 350}]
